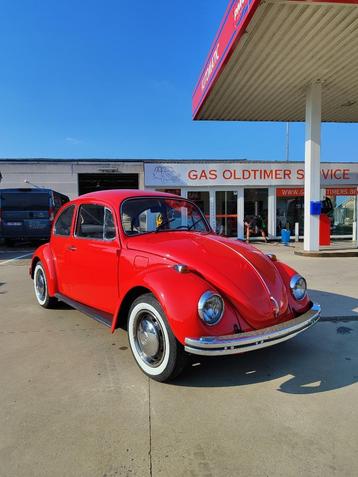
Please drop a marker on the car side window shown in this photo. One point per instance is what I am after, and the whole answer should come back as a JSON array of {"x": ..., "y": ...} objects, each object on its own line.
[
  {"x": 90, "y": 221},
  {"x": 109, "y": 226},
  {"x": 64, "y": 221},
  {"x": 95, "y": 222}
]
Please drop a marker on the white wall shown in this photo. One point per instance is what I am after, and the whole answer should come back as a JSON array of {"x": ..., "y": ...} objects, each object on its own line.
[{"x": 60, "y": 176}]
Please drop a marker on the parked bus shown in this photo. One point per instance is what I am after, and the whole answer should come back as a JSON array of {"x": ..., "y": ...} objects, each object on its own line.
[{"x": 27, "y": 214}]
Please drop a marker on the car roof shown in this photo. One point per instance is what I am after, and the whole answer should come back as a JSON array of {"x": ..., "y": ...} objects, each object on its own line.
[
  {"x": 26, "y": 190},
  {"x": 116, "y": 196}
]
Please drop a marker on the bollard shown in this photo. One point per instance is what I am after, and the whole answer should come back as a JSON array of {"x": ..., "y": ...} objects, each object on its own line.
[{"x": 297, "y": 232}]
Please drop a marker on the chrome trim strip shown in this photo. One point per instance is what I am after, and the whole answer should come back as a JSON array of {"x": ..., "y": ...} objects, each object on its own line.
[{"x": 252, "y": 340}]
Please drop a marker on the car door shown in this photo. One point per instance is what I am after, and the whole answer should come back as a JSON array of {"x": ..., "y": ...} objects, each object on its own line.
[
  {"x": 94, "y": 258},
  {"x": 60, "y": 246}
]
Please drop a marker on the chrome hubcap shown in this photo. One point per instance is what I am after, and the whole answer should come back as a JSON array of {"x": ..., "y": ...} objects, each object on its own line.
[
  {"x": 149, "y": 339},
  {"x": 40, "y": 285}
]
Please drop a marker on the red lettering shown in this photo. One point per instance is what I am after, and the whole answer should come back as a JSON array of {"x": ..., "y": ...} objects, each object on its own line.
[
  {"x": 203, "y": 175},
  {"x": 213, "y": 174},
  {"x": 325, "y": 173},
  {"x": 332, "y": 191},
  {"x": 193, "y": 175},
  {"x": 246, "y": 174},
  {"x": 287, "y": 174},
  {"x": 278, "y": 174},
  {"x": 299, "y": 192},
  {"x": 268, "y": 174},
  {"x": 300, "y": 174},
  {"x": 346, "y": 174},
  {"x": 227, "y": 174}
]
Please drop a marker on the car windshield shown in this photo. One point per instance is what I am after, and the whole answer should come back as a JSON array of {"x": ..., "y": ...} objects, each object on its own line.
[{"x": 159, "y": 214}]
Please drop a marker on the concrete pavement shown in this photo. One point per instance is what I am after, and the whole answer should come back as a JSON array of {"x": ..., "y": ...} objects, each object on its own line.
[
  {"x": 332, "y": 282},
  {"x": 73, "y": 402}
]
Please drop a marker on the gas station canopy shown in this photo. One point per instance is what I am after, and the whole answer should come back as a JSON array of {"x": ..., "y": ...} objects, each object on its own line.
[
  {"x": 266, "y": 54},
  {"x": 285, "y": 60}
]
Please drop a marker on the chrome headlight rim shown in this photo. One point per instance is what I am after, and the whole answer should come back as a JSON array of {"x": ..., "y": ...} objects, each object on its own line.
[
  {"x": 201, "y": 305},
  {"x": 293, "y": 285}
]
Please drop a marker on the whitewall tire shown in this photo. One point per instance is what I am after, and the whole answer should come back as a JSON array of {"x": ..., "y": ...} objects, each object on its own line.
[
  {"x": 152, "y": 342},
  {"x": 41, "y": 288}
]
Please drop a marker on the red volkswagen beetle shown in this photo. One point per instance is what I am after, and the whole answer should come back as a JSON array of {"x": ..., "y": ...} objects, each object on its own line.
[{"x": 150, "y": 261}]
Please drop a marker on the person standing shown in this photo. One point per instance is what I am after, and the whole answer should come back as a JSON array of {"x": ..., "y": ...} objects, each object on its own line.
[{"x": 255, "y": 224}]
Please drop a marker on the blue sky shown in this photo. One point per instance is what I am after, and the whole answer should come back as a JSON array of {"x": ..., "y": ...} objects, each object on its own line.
[{"x": 114, "y": 79}]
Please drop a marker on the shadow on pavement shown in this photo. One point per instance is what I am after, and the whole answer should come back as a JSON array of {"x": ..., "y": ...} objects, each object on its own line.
[
  {"x": 335, "y": 305},
  {"x": 1, "y": 285},
  {"x": 303, "y": 365}
]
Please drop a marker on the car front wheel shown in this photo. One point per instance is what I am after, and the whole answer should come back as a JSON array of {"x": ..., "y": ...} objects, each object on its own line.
[
  {"x": 153, "y": 344},
  {"x": 41, "y": 288}
]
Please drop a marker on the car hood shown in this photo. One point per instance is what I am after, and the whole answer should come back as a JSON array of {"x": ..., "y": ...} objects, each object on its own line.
[{"x": 242, "y": 273}]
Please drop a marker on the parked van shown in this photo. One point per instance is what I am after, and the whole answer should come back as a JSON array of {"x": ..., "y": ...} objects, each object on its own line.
[{"x": 27, "y": 214}]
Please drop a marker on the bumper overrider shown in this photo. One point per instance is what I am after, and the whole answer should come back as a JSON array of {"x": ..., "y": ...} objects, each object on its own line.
[{"x": 252, "y": 340}]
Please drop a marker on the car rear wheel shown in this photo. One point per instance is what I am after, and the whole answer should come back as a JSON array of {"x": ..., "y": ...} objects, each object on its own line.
[
  {"x": 41, "y": 288},
  {"x": 153, "y": 344}
]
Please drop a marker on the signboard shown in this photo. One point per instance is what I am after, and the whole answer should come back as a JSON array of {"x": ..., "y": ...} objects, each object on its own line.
[
  {"x": 290, "y": 192},
  {"x": 233, "y": 25},
  {"x": 238, "y": 174},
  {"x": 332, "y": 191}
]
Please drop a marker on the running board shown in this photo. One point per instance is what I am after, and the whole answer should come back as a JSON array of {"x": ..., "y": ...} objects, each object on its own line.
[{"x": 98, "y": 315}]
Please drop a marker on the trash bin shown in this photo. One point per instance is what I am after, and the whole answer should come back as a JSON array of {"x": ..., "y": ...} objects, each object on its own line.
[{"x": 285, "y": 236}]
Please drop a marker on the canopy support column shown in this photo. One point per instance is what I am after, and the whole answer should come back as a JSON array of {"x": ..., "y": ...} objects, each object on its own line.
[{"x": 312, "y": 164}]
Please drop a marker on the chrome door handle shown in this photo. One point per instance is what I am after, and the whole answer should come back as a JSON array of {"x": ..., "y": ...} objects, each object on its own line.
[{"x": 71, "y": 248}]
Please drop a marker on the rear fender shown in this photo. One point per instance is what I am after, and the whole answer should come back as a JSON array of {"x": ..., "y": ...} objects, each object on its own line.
[
  {"x": 178, "y": 294},
  {"x": 44, "y": 255}
]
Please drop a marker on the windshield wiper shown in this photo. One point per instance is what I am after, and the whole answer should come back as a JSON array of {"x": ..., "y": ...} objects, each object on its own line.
[{"x": 194, "y": 223}]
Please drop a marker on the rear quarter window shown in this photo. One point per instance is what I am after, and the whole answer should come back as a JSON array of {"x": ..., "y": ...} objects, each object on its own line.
[{"x": 64, "y": 222}]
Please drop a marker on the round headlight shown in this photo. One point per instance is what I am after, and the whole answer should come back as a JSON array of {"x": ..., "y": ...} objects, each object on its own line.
[
  {"x": 298, "y": 287},
  {"x": 211, "y": 308}
]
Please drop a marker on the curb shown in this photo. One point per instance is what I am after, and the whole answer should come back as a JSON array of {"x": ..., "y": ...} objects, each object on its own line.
[{"x": 328, "y": 254}]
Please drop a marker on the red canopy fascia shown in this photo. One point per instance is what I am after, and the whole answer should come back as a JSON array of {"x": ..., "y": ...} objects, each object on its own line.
[{"x": 233, "y": 25}]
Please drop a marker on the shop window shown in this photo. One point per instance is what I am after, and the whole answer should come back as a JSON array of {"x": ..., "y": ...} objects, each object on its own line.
[
  {"x": 226, "y": 213},
  {"x": 256, "y": 205},
  {"x": 341, "y": 209},
  {"x": 202, "y": 200},
  {"x": 289, "y": 210},
  {"x": 170, "y": 191}
]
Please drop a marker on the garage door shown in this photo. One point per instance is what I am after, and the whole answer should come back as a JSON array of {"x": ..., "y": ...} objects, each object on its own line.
[{"x": 95, "y": 182}]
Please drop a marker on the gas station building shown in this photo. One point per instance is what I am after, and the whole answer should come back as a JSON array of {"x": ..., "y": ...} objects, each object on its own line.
[
  {"x": 226, "y": 191},
  {"x": 285, "y": 60}
]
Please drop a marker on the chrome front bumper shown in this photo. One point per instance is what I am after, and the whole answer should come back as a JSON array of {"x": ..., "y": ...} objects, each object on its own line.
[{"x": 252, "y": 340}]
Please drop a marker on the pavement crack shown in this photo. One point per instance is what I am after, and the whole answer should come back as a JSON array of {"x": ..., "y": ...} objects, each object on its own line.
[{"x": 150, "y": 431}]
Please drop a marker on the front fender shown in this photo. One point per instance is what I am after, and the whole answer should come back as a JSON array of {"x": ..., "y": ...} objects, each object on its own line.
[
  {"x": 178, "y": 294},
  {"x": 287, "y": 273},
  {"x": 45, "y": 256}
]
